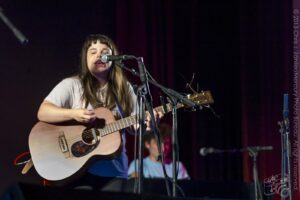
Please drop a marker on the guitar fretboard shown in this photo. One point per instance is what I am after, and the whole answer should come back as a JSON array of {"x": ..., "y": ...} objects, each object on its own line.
[{"x": 131, "y": 120}]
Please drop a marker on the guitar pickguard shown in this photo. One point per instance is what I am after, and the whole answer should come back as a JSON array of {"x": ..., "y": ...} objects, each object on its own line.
[{"x": 80, "y": 148}]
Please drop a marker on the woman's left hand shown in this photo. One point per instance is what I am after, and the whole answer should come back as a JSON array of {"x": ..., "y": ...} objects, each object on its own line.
[{"x": 157, "y": 115}]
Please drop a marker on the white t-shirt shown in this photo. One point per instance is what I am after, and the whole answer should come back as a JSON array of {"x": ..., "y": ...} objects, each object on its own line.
[
  {"x": 153, "y": 169},
  {"x": 68, "y": 94}
]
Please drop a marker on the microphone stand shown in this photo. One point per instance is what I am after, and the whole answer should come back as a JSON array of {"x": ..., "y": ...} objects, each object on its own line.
[
  {"x": 175, "y": 146},
  {"x": 253, "y": 153},
  {"x": 285, "y": 150},
  {"x": 173, "y": 102},
  {"x": 141, "y": 99},
  {"x": 175, "y": 97},
  {"x": 16, "y": 32},
  {"x": 169, "y": 92},
  {"x": 147, "y": 102}
]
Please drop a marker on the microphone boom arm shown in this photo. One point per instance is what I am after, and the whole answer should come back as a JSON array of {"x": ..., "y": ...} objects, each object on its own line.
[{"x": 16, "y": 32}]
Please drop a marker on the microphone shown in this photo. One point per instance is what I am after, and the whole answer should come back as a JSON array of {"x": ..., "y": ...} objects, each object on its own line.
[
  {"x": 107, "y": 58},
  {"x": 286, "y": 111},
  {"x": 285, "y": 106},
  {"x": 204, "y": 151}
]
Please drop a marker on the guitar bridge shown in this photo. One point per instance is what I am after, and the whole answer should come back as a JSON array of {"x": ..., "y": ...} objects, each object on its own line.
[{"x": 63, "y": 144}]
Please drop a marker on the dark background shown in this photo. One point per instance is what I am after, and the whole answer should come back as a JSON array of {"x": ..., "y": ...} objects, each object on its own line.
[{"x": 239, "y": 50}]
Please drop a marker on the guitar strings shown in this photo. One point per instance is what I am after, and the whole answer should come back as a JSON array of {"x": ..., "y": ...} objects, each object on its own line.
[
  {"x": 110, "y": 128},
  {"x": 105, "y": 131}
]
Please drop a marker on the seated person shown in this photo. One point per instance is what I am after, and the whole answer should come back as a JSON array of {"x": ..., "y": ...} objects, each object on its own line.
[{"x": 152, "y": 167}]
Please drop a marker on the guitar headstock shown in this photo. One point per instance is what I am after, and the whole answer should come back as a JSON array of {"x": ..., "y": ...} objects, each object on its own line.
[{"x": 203, "y": 98}]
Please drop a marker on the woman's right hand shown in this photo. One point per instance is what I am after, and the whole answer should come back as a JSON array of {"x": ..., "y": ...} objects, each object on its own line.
[
  {"x": 83, "y": 115},
  {"x": 51, "y": 113}
]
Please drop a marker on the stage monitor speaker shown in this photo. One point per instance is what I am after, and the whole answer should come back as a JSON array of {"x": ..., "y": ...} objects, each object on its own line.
[
  {"x": 119, "y": 189},
  {"x": 34, "y": 192}
]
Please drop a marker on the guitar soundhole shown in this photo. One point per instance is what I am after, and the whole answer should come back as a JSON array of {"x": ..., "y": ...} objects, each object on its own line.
[
  {"x": 80, "y": 149},
  {"x": 90, "y": 136}
]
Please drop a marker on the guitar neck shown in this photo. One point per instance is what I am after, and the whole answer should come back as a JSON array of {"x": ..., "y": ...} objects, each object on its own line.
[{"x": 131, "y": 120}]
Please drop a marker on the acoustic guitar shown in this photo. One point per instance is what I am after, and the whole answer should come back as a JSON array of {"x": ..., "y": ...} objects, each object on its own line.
[{"x": 60, "y": 151}]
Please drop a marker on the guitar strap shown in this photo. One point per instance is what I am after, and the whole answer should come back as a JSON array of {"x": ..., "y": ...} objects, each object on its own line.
[
  {"x": 119, "y": 108},
  {"x": 121, "y": 112},
  {"x": 27, "y": 167}
]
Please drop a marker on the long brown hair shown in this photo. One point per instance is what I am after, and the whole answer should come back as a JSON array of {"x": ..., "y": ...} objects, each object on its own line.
[{"x": 117, "y": 81}]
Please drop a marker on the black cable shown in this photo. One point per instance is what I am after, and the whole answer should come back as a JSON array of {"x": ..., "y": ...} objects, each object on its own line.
[{"x": 135, "y": 154}]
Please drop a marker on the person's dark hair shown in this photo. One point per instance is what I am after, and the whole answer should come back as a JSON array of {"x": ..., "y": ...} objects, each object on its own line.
[
  {"x": 117, "y": 81},
  {"x": 165, "y": 131},
  {"x": 148, "y": 137}
]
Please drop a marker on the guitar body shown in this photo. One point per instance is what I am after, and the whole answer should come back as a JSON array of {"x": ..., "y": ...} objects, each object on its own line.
[{"x": 58, "y": 151}]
